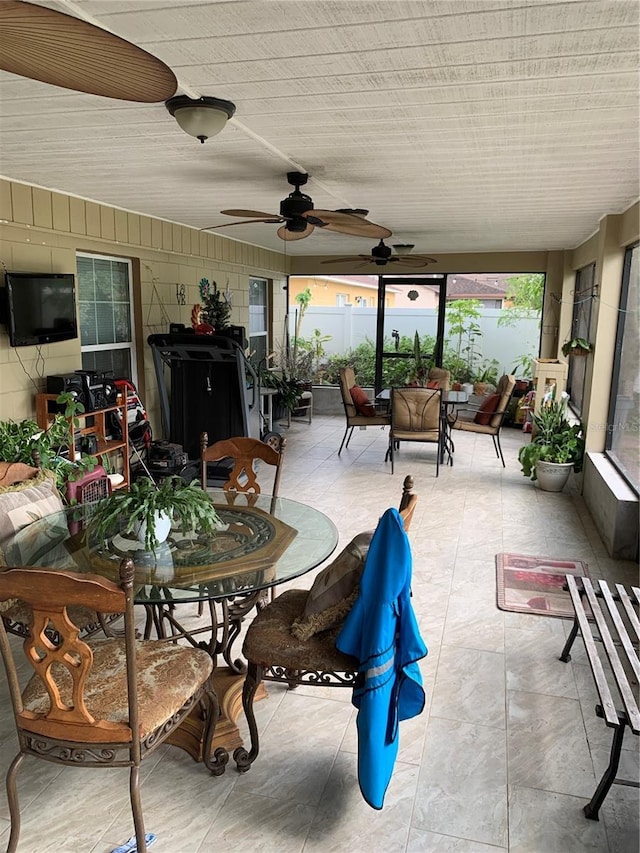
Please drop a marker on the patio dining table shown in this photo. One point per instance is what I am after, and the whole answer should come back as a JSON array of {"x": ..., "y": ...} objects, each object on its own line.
[{"x": 262, "y": 541}]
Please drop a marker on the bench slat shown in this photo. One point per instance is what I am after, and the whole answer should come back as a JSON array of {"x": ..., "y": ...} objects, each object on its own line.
[
  {"x": 629, "y": 609},
  {"x": 621, "y": 629},
  {"x": 631, "y": 705},
  {"x": 608, "y": 705}
]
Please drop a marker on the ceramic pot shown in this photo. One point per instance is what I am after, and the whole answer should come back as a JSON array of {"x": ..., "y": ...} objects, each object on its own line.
[
  {"x": 552, "y": 476},
  {"x": 162, "y": 527}
]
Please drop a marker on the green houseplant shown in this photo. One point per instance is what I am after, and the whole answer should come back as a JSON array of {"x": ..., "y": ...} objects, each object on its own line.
[
  {"x": 20, "y": 440},
  {"x": 178, "y": 502},
  {"x": 576, "y": 346},
  {"x": 555, "y": 442},
  {"x": 420, "y": 373}
]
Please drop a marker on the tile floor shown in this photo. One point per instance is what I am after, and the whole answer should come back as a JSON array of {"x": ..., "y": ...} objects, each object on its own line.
[{"x": 507, "y": 751}]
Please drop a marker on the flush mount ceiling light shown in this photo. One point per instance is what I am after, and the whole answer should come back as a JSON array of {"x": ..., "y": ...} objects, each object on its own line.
[
  {"x": 404, "y": 248},
  {"x": 200, "y": 117}
]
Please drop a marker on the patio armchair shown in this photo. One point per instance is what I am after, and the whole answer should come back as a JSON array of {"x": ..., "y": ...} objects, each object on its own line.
[
  {"x": 488, "y": 418},
  {"x": 292, "y": 640},
  {"x": 107, "y": 702},
  {"x": 416, "y": 415},
  {"x": 358, "y": 410},
  {"x": 441, "y": 376}
]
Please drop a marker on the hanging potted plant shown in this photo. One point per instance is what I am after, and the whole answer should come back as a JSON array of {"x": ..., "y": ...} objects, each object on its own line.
[
  {"x": 577, "y": 346},
  {"x": 148, "y": 510},
  {"x": 557, "y": 448}
]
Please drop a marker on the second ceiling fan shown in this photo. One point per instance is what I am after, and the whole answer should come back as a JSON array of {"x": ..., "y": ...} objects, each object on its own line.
[
  {"x": 299, "y": 218},
  {"x": 381, "y": 255}
]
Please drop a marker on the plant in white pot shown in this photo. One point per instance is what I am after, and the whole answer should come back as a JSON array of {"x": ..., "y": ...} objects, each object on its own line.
[
  {"x": 556, "y": 448},
  {"x": 149, "y": 509}
]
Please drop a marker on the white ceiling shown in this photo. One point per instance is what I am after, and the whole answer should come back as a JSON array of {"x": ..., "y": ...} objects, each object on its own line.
[{"x": 461, "y": 125}]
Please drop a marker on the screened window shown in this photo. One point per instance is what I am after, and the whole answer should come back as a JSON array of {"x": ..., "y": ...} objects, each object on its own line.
[
  {"x": 106, "y": 315},
  {"x": 623, "y": 436},
  {"x": 258, "y": 319},
  {"x": 580, "y": 328}
]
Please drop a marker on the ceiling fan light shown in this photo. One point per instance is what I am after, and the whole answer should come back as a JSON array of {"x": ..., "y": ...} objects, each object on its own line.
[
  {"x": 200, "y": 117},
  {"x": 404, "y": 248}
]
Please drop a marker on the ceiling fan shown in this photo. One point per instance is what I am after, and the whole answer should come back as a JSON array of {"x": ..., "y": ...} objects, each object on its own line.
[
  {"x": 60, "y": 49},
  {"x": 381, "y": 255},
  {"x": 300, "y": 218}
]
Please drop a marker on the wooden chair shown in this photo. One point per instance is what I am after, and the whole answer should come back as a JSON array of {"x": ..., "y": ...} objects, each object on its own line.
[
  {"x": 416, "y": 415},
  {"x": 487, "y": 422},
  {"x": 16, "y": 613},
  {"x": 244, "y": 453},
  {"x": 353, "y": 416},
  {"x": 273, "y": 653},
  {"x": 100, "y": 703}
]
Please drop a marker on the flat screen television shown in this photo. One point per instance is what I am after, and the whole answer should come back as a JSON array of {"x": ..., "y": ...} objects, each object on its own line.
[{"x": 39, "y": 308}]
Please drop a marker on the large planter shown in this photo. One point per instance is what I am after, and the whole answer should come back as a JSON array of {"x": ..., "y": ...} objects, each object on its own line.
[{"x": 552, "y": 476}]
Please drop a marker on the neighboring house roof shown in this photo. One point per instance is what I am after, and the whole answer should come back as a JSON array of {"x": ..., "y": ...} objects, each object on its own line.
[{"x": 477, "y": 287}]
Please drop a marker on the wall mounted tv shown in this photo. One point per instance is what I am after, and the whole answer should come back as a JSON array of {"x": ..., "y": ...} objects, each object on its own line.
[{"x": 39, "y": 308}]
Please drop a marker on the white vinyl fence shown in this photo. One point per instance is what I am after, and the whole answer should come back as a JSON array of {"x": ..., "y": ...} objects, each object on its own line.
[{"x": 351, "y": 325}]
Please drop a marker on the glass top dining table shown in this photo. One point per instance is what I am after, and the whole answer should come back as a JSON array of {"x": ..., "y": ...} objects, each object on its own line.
[{"x": 262, "y": 541}]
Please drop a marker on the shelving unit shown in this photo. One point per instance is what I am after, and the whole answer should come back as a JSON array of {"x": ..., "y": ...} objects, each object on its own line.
[{"x": 91, "y": 423}]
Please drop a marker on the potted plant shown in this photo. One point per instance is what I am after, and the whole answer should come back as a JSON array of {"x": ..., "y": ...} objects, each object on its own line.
[
  {"x": 420, "y": 373},
  {"x": 150, "y": 508},
  {"x": 576, "y": 346},
  {"x": 487, "y": 375},
  {"x": 25, "y": 441},
  {"x": 556, "y": 448}
]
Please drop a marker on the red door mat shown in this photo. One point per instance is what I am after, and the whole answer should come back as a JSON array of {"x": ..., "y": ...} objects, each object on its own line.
[{"x": 534, "y": 584}]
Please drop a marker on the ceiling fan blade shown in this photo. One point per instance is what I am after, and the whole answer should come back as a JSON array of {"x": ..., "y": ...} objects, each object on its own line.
[
  {"x": 285, "y": 234},
  {"x": 56, "y": 48},
  {"x": 347, "y": 223},
  {"x": 342, "y": 260},
  {"x": 253, "y": 214},
  {"x": 231, "y": 224},
  {"x": 415, "y": 260}
]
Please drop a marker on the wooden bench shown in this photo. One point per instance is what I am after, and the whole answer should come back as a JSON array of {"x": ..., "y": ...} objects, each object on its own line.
[{"x": 614, "y": 628}]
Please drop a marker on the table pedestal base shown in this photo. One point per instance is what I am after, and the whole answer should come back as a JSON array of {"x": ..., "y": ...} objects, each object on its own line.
[{"x": 190, "y": 734}]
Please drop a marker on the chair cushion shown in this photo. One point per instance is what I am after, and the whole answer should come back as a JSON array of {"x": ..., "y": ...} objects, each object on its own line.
[
  {"x": 270, "y": 641},
  {"x": 167, "y": 675},
  {"x": 362, "y": 402},
  {"x": 24, "y": 502},
  {"x": 334, "y": 590},
  {"x": 487, "y": 408}
]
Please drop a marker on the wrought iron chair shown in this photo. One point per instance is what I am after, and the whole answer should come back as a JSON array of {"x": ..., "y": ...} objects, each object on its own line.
[
  {"x": 416, "y": 415},
  {"x": 354, "y": 417},
  {"x": 487, "y": 421},
  {"x": 275, "y": 654},
  {"x": 440, "y": 375},
  {"x": 103, "y": 703},
  {"x": 244, "y": 454}
]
